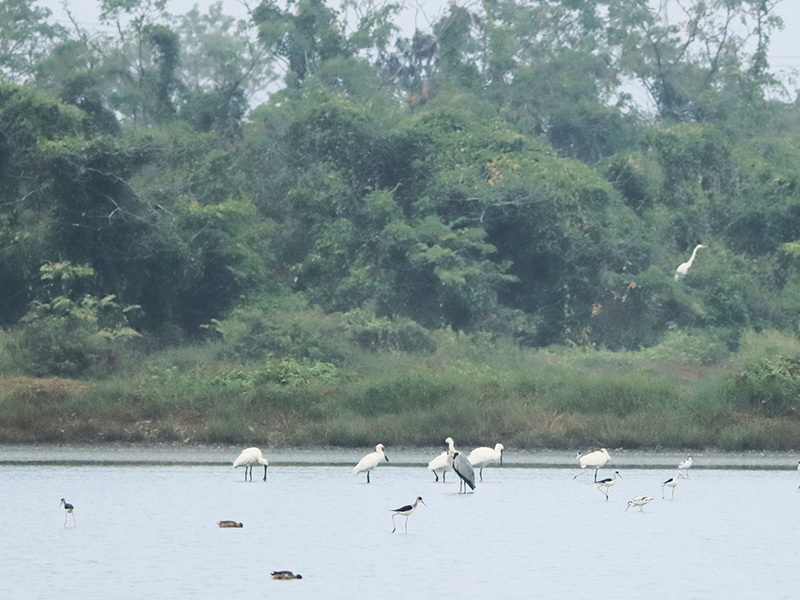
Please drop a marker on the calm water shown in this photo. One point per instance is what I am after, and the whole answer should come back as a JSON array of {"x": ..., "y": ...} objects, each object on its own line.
[{"x": 147, "y": 530}]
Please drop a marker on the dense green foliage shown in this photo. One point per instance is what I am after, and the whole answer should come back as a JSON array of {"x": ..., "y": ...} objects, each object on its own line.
[{"x": 311, "y": 183}]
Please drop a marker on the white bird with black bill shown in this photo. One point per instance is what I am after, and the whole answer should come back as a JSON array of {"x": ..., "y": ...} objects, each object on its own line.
[
  {"x": 370, "y": 461},
  {"x": 480, "y": 457}
]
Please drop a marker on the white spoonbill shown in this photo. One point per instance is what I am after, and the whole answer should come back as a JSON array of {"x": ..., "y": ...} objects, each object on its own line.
[
  {"x": 370, "y": 461},
  {"x": 685, "y": 464},
  {"x": 639, "y": 501},
  {"x": 480, "y": 457},
  {"x": 671, "y": 482},
  {"x": 248, "y": 458},
  {"x": 608, "y": 482},
  {"x": 441, "y": 464},
  {"x": 68, "y": 508},
  {"x": 681, "y": 271},
  {"x": 406, "y": 511},
  {"x": 464, "y": 470},
  {"x": 595, "y": 459}
]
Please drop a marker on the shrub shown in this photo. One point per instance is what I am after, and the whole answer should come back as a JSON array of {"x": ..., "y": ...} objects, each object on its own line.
[{"x": 770, "y": 386}]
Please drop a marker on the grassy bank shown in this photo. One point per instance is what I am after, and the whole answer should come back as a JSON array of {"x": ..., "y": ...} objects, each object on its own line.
[{"x": 678, "y": 395}]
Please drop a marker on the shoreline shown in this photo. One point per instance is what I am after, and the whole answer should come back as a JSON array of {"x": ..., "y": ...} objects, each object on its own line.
[{"x": 163, "y": 454}]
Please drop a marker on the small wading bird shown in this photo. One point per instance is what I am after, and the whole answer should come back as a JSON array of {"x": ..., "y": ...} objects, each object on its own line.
[
  {"x": 480, "y": 457},
  {"x": 671, "y": 482},
  {"x": 639, "y": 501},
  {"x": 441, "y": 463},
  {"x": 406, "y": 510},
  {"x": 68, "y": 508},
  {"x": 607, "y": 483},
  {"x": 285, "y": 575},
  {"x": 248, "y": 458},
  {"x": 461, "y": 465},
  {"x": 370, "y": 461},
  {"x": 230, "y": 524},
  {"x": 681, "y": 271},
  {"x": 595, "y": 459},
  {"x": 685, "y": 465}
]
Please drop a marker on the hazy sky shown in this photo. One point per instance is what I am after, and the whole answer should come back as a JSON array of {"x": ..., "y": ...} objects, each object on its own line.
[{"x": 784, "y": 47}]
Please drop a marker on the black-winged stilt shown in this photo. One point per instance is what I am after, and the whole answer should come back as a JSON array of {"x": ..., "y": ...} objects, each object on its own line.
[
  {"x": 607, "y": 483},
  {"x": 68, "y": 508},
  {"x": 406, "y": 511}
]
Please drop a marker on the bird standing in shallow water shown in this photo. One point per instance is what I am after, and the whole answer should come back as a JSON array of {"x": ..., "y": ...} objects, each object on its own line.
[
  {"x": 68, "y": 508},
  {"x": 671, "y": 482},
  {"x": 685, "y": 465},
  {"x": 608, "y": 482},
  {"x": 595, "y": 459},
  {"x": 480, "y": 457},
  {"x": 639, "y": 501},
  {"x": 370, "y": 461},
  {"x": 248, "y": 458},
  {"x": 464, "y": 470},
  {"x": 441, "y": 464},
  {"x": 230, "y": 524},
  {"x": 285, "y": 575},
  {"x": 406, "y": 510}
]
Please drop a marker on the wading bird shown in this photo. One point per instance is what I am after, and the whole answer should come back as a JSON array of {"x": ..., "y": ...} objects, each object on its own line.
[
  {"x": 671, "y": 482},
  {"x": 461, "y": 465},
  {"x": 441, "y": 464},
  {"x": 406, "y": 510},
  {"x": 595, "y": 459},
  {"x": 370, "y": 461},
  {"x": 285, "y": 575},
  {"x": 480, "y": 457},
  {"x": 248, "y": 458},
  {"x": 639, "y": 501},
  {"x": 68, "y": 508},
  {"x": 607, "y": 483},
  {"x": 681, "y": 271},
  {"x": 230, "y": 524},
  {"x": 686, "y": 464}
]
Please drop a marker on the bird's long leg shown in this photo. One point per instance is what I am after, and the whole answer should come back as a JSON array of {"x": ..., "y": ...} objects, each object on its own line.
[
  {"x": 265, "y": 472},
  {"x": 367, "y": 476},
  {"x": 443, "y": 472},
  {"x": 406, "y": 523},
  {"x": 435, "y": 474},
  {"x": 393, "y": 525},
  {"x": 481, "y": 473},
  {"x": 595, "y": 474}
]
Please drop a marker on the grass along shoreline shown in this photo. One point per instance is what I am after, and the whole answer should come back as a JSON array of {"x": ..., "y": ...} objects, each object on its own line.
[{"x": 663, "y": 398}]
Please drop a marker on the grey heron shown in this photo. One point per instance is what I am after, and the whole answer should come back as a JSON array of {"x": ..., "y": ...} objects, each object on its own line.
[{"x": 464, "y": 470}]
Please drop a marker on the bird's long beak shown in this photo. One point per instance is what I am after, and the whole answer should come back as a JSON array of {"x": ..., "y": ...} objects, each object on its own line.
[
  {"x": 501, "y": 459},
  {"x": 386, "y": 457},
  {"x": 423, "y": 501},
  {"x": 627, "y": 507}
]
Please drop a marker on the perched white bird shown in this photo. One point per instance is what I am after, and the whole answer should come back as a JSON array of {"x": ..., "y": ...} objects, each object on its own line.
[
  {"x": 671, "y": 482},
  {"x": 441, "y": 464},
  {"x": 639, "y": 501},
  {"x": 461, "y": 465},
  {"x": 406, "y": 511},
  {"x": 480, "y": 457},
  {"x": 607, "y": 483},
  {"x": 686, "y": 464},
  {"x": 681, "y": 271},
  {"x": 370, "y": 461},
  {"x": 248, "y": 458},
  {"x": 595, "y": 459}
]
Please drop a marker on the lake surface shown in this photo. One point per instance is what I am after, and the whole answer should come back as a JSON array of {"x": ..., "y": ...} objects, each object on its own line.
[{"x": 147, "y": 527}]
